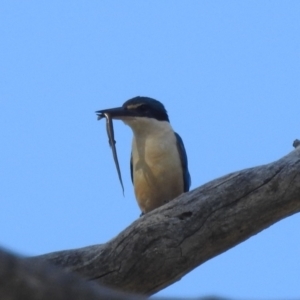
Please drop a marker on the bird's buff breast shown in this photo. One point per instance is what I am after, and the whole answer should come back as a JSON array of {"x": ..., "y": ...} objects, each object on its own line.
[{"x": 157, "y": 171}]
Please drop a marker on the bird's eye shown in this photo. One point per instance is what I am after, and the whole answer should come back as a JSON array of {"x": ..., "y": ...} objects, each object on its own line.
[{"x": 143, "y": 108}]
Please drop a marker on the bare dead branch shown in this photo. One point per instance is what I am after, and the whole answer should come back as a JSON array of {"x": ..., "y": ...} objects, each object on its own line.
[
  {"x": 19, "y": 279},
  {"x": 167, "y": 243}
]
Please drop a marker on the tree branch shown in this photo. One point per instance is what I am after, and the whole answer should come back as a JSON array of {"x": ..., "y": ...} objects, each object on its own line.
[
  {"x": 19, "y": 279},
  {"x": 167, "y": 243}
]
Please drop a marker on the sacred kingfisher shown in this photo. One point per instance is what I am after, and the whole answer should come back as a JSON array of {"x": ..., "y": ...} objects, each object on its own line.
[{"x": 158, "y": 164}]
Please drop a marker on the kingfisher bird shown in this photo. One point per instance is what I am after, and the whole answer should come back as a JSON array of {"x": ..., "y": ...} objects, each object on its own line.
[{"x": 158, "y": 163}]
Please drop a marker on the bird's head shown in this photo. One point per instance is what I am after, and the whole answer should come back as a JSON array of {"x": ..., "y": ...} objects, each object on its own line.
[{"x": 137, "y": 109}]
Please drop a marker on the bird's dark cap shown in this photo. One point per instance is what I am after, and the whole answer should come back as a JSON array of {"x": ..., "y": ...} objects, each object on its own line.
[{"x": 147, "y": 107}]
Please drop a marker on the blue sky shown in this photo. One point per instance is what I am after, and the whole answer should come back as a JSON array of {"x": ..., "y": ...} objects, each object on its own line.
[{"x": 227, "y": 72}]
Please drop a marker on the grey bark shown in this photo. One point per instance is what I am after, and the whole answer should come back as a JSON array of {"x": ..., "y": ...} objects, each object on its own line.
[
  {"x": 159, "y": 248},
  {"x": 21, "y": 280}
]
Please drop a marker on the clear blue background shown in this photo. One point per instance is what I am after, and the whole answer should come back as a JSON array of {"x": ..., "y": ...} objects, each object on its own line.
[{"x": 228, "y": 73}]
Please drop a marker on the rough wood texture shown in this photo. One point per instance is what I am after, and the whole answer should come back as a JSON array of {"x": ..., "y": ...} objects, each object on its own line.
[
  {"x": 165, "y": 244},
  {"x": 21, "y": 280}
]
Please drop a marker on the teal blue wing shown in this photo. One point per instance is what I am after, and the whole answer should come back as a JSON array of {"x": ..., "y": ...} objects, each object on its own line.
[
  {"x": 131, "y": 170},
  {"x": 184, "y": 163}
]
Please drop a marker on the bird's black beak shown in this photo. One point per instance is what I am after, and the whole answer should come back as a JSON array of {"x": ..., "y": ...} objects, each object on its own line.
[{"x": 115, "y": 113}]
